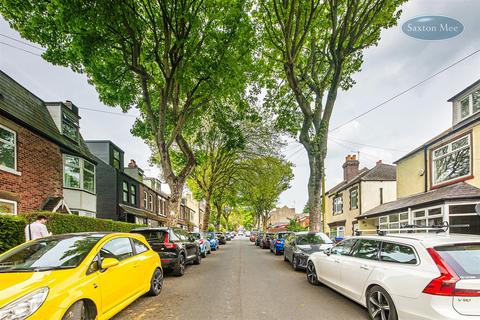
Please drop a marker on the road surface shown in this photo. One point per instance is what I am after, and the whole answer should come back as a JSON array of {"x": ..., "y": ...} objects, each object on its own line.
[{"x": 243, "y": 282}]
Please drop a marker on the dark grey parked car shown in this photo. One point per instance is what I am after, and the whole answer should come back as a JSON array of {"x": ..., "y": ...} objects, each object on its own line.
[
  {"x": 176, "y": 247},
  {"x": 298, "y": 246}
]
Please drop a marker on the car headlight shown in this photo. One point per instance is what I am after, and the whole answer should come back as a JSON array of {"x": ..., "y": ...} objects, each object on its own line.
[{"x": 25, "y": 306}]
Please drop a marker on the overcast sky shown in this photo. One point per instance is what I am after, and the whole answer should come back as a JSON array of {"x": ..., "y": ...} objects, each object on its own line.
[{"x": 387, "y": 133}]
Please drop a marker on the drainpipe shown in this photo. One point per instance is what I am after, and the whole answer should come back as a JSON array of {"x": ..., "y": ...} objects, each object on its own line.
[{"x": 425, "y": 168}]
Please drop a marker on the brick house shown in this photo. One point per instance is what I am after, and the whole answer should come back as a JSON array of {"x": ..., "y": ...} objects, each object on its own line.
[{"x": 44, "y": 163}]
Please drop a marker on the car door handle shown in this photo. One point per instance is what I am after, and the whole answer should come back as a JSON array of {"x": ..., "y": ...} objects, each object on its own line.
[{"x": 364, "y": 267}]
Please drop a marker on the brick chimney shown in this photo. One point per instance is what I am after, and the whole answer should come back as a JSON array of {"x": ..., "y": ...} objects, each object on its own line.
[
  {"x": 132, "y": 164},
  {"x": 379, "y": 162},
  {"x": 350, "y": 167}
]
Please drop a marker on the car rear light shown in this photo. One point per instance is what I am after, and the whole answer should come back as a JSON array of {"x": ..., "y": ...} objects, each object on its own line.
[
  {"x": 445, "y": 284},
  {"x": 167, "y": 243},
  {"x": 201, "y": 241},
  {"x": 278, "y": 241}
]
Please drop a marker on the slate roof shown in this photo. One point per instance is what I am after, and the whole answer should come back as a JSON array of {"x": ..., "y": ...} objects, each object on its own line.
[
  {"x": 26, "y": 109},
  {"x": 381, "y": 172},
  {"x": 458, "y": 191}
]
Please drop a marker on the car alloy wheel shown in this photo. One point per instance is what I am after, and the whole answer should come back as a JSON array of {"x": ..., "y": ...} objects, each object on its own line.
[
  {"x": 156, "y": 284},
  {"x": 379, "y": 304},
  {"x": 198, "y": 258},
  {"x": 312, "y": 274},
  {"x": 180, "y": 271}
]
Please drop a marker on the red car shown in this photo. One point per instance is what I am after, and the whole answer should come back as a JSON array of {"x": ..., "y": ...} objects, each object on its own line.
[{"x": 253, "y": 236}]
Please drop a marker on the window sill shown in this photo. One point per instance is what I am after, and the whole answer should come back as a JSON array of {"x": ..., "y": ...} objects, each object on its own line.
[{"x": 12, "y": 171}]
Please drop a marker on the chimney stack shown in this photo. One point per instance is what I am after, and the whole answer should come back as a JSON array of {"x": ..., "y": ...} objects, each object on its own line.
[
  {"x": 350, "y": 167},
  {"x": 379, "y": 162},
  {"x": 132, "y": 164}
]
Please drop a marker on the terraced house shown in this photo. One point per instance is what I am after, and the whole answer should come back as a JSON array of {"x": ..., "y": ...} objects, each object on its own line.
[
  {"x": 360, "y": 191},
  {"x": 44, "y": 161},
  {"x": 440, "y": 180}
]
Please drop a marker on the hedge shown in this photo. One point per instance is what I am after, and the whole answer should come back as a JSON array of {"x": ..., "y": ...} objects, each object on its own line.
[{"x": 12, "y": 228}]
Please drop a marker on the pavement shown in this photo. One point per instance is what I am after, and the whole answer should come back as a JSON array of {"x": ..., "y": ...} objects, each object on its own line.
[{"x": 243, "y": 282}]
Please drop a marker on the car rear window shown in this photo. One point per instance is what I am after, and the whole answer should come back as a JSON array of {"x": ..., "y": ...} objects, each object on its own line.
[
  {"x": 463, "y": 258},
  {"x": 153, "y": 235}
]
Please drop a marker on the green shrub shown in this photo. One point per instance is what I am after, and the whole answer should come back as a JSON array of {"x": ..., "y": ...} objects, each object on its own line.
[
  {"x": 12, "y": 228},
  {"x": 12, "y": 231}
]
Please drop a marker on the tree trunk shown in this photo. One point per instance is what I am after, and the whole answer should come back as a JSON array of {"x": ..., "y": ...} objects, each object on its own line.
[
  {"x": 218, "y": 217},
  {"x": 176, "y": 190},
  {"x": 206, "y": 214},
  {"x": 315, "y": 190}
]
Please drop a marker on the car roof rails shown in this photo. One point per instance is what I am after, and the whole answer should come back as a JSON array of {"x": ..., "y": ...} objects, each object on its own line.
[{"x": 411, "y": 228}]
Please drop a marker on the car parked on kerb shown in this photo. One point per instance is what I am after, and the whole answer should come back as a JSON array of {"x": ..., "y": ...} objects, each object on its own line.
[
  {"x": 410, "y": 276},
  {"x": 222, "y": 239},
  {"x": 176, "y": 247},
  {"x": 277, "y": 242},
  {"x": 300, "y": 245},
  {"x": 253, "y": 235},
  {"x": 203, "y": 243},
  {"x": 265, "y": 242},
  {"x": 259, "y": 238},
  {"x": 212, "y": 239},
  {"x": 77, "y": 276}
]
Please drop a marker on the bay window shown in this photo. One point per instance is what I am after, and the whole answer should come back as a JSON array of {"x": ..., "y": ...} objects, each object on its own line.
[
  {"x": 8, "y": 149},
  {"x": 78, "y": 173},
  {"x": 452, "y": 161}
]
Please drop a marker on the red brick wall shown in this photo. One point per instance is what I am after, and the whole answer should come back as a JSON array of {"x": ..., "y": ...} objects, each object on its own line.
[{"x": 41, "y": 166}]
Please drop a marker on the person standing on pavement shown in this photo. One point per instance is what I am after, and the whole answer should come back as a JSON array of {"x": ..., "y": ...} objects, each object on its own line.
[{"x": 37, "y": 229}]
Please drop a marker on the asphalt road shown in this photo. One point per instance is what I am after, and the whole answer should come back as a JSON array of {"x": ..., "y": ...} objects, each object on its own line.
[{"x": 241, "y": 281}]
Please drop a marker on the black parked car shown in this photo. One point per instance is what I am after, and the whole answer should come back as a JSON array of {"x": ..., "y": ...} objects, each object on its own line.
[
  {"x": 222, "y": 239},
  {"x": 298, "y": 246},
  {"x": 259, "y": 238},
  {"x": 176, "y": 247},
  {"x": 265, "y": 242}
]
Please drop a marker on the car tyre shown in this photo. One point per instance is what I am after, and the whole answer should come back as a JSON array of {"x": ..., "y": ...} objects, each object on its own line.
[
  {"x": 380, "y": 305},
  {"x": 78, "y": 311},
  {"x": 156, "y": 283},
  {"x": 198, "y": 258},
  {"x": 204, "y": 254},
  {"x": 312, "y": 277},
  {"x": 180, "y": 269}
]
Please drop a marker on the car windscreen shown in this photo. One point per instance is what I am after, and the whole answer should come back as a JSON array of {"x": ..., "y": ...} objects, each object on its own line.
[
  {"x": 312, "y": 238},
  {"x": 196, "y": 235},
  {"x": 210, "y": 236},
  {"x": 153, "y": 235},
  {"x": 464, "y": 259},
  {"x": 49, "y": 253},
  {"x": 282, "y": 235}
]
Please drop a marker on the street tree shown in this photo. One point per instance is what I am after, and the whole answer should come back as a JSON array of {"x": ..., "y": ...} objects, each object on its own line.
[
  {"x": 260, "y": 187},
  {"x": 312, "y": 48},
  {"x": 168, "y": 59}
]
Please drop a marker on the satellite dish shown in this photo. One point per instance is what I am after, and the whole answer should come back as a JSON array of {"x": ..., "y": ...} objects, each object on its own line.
[{"x": 477, "y": 209}]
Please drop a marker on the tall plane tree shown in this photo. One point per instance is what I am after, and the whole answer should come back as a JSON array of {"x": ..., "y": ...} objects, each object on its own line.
[
  {"x": 312, "y": 49},
  {"x": 169, "y": 59}
]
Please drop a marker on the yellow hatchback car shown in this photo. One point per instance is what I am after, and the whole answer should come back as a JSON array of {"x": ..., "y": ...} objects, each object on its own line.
[{"x": 77, "y": 276}]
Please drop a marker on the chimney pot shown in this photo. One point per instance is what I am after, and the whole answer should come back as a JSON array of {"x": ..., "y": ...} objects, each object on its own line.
[{"x": 379, "y": 162}]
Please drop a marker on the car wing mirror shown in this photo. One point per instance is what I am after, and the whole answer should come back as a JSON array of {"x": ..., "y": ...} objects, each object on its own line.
[
  {"x": 328, "y": 251},
  {"x": 109, "y": 262}
]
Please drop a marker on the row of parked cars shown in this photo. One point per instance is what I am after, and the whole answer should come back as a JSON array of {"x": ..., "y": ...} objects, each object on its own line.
[
  {"x": 95, "y": 275},
  {"x": 434, "y": 276}
]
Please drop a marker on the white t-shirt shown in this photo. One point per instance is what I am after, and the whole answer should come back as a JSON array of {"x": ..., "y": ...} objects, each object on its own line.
[{"x": 37, "y": 229}]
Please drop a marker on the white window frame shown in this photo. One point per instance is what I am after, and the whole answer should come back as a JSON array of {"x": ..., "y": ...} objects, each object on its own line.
[
  {"x": 385, "y": 222},
  {"x": 15, "y": 145},
  {"x": 82, "y": 168},
  {"x": 338, "y": 204},
  {"x": 427, "y": 217},
  {"x": 15, "y": 206},
  {"x": 150, "y": 202},
  {"x": 470, "y": 105},
  {"x": 145, "y": 199},
  {"x": 449, "y": 152}
]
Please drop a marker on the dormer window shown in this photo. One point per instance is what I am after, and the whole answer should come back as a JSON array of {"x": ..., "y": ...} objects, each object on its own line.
[
  {"x": 116, "y": 159},
  {"x": 469, "y": 105},
  {"x": 70, "y": 126}
]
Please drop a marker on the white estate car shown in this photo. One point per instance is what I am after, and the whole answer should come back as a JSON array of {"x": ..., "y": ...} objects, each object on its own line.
[{"x": 405, "y": 276}]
